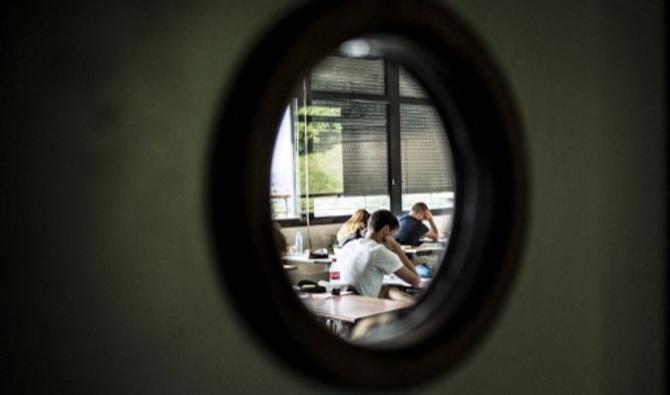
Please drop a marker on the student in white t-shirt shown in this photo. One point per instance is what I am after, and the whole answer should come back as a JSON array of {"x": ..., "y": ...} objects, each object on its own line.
[{"x": 363, "y": 262}]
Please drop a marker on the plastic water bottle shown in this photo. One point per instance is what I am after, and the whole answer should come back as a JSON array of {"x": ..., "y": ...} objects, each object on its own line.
[{"x": 298, "y": 242}]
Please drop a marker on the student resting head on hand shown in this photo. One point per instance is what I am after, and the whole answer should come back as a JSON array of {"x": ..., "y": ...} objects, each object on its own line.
[
  {"x": 363, "y": 262},
  {"x": 412, "y": 228}
]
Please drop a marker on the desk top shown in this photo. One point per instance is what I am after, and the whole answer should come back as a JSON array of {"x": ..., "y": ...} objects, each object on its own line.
[
  {"x": 351, "y": 308},
  {"x": 297, "y": 271},
  {"x": 425, "y": 248},
  {"x": 392, "y": 279},
  {"x": 304, "y": 259}
]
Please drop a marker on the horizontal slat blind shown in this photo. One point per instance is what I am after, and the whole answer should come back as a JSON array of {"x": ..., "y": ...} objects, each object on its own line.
[
  {"x": 410, "y": 87},
  {"x": 364, "y": 148},
  {"x": 426, "y": 157},
  {"x": 349, "y": 75}
]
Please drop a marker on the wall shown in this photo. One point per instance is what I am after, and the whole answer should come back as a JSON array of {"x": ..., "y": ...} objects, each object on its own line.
[
  {"x": 108, "y": 110},
  {"x": 317, "y": 236},
  {"x": 588, "y": 312}
]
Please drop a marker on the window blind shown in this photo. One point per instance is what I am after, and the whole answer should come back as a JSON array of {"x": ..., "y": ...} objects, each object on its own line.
[
  {"x": 349, "y": 75},
  {"x": 425, "y": 154},
  {"x": 362, "y": 128},
  {"x": 410, "y": 87}
]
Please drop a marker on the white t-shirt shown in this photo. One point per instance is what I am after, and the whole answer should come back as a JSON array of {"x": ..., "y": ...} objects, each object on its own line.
[{"x": 362, "y": 264}]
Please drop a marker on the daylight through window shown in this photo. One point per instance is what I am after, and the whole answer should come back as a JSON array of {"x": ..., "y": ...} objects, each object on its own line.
[{"x": 359, "y": 133}]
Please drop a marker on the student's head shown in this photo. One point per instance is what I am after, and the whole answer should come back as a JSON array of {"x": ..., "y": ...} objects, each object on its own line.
[
  {"x": 361, "y": 216},
  {"x": 279, "y": 239},
  {"x": 419, "y": 210},
  {"x": 357, "y": 223},
  {"x": 383, "y": 221}
]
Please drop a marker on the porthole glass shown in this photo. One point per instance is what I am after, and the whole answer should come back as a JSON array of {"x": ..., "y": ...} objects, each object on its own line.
[
  {"x": 362, "y": 190},
  {"x": 375, "y": 105}
]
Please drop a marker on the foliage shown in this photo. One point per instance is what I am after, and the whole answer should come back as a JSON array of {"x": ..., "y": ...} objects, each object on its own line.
[
  {"x": 325, "y": 171},
  {"x": 314, "y": 130}
]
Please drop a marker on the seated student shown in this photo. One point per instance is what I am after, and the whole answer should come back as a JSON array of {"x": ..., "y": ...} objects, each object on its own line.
[
  {"x": 354, "y": 228},
  {"x": 363, "y": 262},
  {"x": 279, "y": 239},
  {"x": 412, "y": 228}
]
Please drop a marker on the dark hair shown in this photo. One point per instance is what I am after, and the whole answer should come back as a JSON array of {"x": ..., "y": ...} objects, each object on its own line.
[
  {"x": 381, "y": 218},
  {"x": 279, "y": 239},
  {"x": 419, "y": 207}
]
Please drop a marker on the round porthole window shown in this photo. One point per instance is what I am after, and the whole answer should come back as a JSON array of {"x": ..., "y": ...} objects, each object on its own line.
[{"x": 368, "y": 191}]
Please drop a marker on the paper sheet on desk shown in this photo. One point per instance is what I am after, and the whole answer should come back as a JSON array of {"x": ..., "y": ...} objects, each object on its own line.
[
  {"x": 324, "y": 295},
  {"x": 392, "y": 279},
  {"x": 431, "y": 245}
]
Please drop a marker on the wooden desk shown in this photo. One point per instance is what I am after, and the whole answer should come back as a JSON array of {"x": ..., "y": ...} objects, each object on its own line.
[
  {"x": 306, "y": 271},
  {"x": 350, "y": 308},
  {"x": 301, "y": 267}
]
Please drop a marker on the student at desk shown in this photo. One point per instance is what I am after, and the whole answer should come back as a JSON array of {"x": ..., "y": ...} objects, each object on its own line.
[
  {"x": 354, "y": 228},
  {"x": 279, "y": 239},
  {"x": 363, "y": 262},
  {"x": 412, "y": 228}
]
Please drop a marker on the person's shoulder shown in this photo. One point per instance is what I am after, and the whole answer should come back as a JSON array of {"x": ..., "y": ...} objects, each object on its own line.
[
  {"x": 360, "y": 244},
  {"x": 366, "y": 244},
  {"x": 386, "y": 260},
  {"x": 381, "y": 251},
  {"x": 350, "y": 244},
  {"x": 409, "y": 219}
]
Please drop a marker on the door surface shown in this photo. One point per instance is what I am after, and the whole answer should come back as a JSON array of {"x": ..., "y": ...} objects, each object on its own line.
[{"x": 109, "y": 277}]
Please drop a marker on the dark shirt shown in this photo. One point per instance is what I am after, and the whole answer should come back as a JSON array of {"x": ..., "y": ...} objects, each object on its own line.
[
  {"x": 411, "y": 230},
  {"x": 356, "y": 235}
]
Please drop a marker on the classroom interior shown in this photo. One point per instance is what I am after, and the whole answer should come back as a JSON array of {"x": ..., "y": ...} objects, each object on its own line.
[{"x": 359, "y": 132}]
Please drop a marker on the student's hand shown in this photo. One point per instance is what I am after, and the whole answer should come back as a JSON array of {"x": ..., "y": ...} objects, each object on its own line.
[
  {"x": 427, "y": 215},
  {"x": 392, "y": 245}
]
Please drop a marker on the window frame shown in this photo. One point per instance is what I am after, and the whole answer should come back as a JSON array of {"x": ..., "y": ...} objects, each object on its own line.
[{"x": 393, "y": 101}]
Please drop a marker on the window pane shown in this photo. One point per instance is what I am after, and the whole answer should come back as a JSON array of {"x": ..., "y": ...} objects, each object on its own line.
[
  {"x": 338, "y": 74},
  {"x": 319, "y": 141},
  {"x": 434, "y": 200},
  {"x": 282, "y": 187},
  {"x": 410, "y": 87},
  {"x": 363, "y": 146},
  {"x": 342, "y": 153},
  {"x": 426, "y": 156},
  {"x": 345, "y": 205}
]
